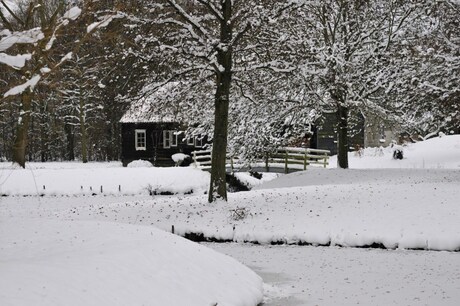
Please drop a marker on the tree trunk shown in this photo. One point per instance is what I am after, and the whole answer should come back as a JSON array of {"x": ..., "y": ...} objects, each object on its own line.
[
  {"x": 218, "y": 184},
  {"x": 70, "y": 154},
  {"x": 83, "y": 135},
  {"x": 45, "y": 132},
  {"x": 342, "y": 137},
  {"x": 20, "y": 142}
]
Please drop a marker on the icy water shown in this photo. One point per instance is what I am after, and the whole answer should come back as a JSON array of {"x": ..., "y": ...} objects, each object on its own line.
[{"x": 305, "y": 275}]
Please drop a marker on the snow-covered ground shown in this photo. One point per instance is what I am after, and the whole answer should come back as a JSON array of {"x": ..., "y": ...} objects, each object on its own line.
[
  {"x": 98, "y": 178},
  {"x": 404, "y": 204},
  {"x": 47, "y": 262},
  {"x": 436, "y": 153},
  {"x": 394, "y": 208}
]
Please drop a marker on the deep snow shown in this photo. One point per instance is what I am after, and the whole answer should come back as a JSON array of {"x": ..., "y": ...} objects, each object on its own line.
[
  {"x": 47, "y": 262},
  {"x": 442, "y": 152},
  {"x": 409, "y": 203},
  {"x": 395, "y": 208},
  {"x": 87, "y": 179}
]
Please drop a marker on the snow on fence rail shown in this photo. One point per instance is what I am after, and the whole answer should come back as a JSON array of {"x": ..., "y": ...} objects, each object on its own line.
[{"x": 285, "y": 158}]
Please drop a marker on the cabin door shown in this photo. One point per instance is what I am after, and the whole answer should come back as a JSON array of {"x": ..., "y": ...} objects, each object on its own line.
[
  {"x": 156, "y": 142},
  {"x": 156, "y": 139}
]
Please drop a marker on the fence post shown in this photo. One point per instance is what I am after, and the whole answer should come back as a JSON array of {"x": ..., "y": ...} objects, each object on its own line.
[
  {"x": 305, "y": 160},
  {"x": 325, "y": 160},
  {"x": 286, "y": 170},
  {"x": 194, "y": 158},
  {"x": 266, "y": 162}
]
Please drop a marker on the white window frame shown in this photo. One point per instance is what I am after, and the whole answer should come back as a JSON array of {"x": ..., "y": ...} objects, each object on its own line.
[
  {"x": 174, "y": 138},
  {"x": 167, "y": 139},
  {"x": 199, "y": 141},
  {"x": 191, "y": 141},
  {"x": 138, "y": 139}
]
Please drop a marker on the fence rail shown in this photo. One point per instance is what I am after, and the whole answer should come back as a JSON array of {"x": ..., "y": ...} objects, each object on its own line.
[{"x": 289, "y": 159}]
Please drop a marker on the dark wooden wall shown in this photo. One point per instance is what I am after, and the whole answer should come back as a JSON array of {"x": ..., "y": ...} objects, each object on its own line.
[
  {"x": 325, "y": 134},
  {"x": 155, "y": 153}
]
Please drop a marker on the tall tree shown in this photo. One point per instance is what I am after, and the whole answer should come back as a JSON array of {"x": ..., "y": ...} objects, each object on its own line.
[
  {"x": 107, "y": 69},
  {"x": 209, "y": 33},
  {"x": 36, "y": 32},
  {"x": 344, "y": 43},
  {"x": 211, "y": 47},
  {"x": 39, "y": 44},
  {"x": 426, "y": 74}
]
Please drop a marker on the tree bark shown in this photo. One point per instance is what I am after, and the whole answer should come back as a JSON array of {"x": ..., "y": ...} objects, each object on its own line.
[
  {"x": 70, "y": 154},
  {"x": 218, "y": 184},
  {"x": 83, "y": 135},
  {"x": 342, "y": 137},
  {"x": 20, "y": 142}
]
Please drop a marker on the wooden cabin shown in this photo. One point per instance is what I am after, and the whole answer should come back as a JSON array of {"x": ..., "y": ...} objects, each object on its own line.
[
  {"x": 324, "y": 133},
  {"x": 156, "y": 142},
  {"x": 154, "y": 136},
  {"x": 364, "y": 131}
]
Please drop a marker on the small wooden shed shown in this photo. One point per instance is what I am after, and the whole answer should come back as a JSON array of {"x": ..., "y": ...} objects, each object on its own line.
[
  {"x": 325, "y": 133},
  {"x": 154, "y": 136}
]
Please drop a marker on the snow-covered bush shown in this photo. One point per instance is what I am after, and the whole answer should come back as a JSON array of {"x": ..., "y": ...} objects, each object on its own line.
[
  {"x": 140, "y": 164},
  {"x": 179, "y": 158}
]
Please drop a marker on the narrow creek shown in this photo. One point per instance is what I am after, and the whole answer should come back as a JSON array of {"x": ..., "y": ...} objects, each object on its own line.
[{"x": 306, "y": 275}]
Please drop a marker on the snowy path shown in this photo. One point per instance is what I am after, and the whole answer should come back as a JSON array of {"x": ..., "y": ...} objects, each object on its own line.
[{"x": 298, "y": 276}]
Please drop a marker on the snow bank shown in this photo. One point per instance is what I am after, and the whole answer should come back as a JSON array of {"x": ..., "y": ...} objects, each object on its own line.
[
  {"x": 98, "y": 178},
  {"x": 392, "y": 208},
  {"x": 435, "y": 153},
  {"x": 96, "y": 263}
]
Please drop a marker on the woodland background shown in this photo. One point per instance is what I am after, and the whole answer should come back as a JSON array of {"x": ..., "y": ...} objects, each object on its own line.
[{"x": 291, "y": 61}]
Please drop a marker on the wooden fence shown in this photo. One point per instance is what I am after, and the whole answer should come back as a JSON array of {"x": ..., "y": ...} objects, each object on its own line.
[{"x": 287, "y": 159}]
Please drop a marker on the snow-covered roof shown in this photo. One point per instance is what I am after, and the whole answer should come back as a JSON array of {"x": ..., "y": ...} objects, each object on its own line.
[
  {"x": 144, "y": 112},
  {"x": 148, "y": 108}
]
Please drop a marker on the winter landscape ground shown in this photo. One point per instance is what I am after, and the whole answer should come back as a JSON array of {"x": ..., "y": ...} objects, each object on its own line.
[{"x": 385, "y": 232}]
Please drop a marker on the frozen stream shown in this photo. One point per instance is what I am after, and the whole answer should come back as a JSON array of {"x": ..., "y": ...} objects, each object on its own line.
[{"x": 349, "y": 276}]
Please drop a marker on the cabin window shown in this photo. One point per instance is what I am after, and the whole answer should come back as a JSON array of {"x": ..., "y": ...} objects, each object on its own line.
[
  {"x": 140, "y": 140},
  {"x": 199, "y": 141},
  {"x": 382, "y": 133},
  {"x": 191, "y": 141},
  {"x": 174, "y": 140},
  {"x": 170, "y": 138},
  {"x": 167, "y": 139}
]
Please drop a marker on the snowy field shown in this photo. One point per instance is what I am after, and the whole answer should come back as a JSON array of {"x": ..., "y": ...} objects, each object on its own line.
[
  {"x": 74, "y": 245},
  {"x": 436, "y": 153},
  {"x": 72, "y": 178},
  {"x": 46, "y": 262}
]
